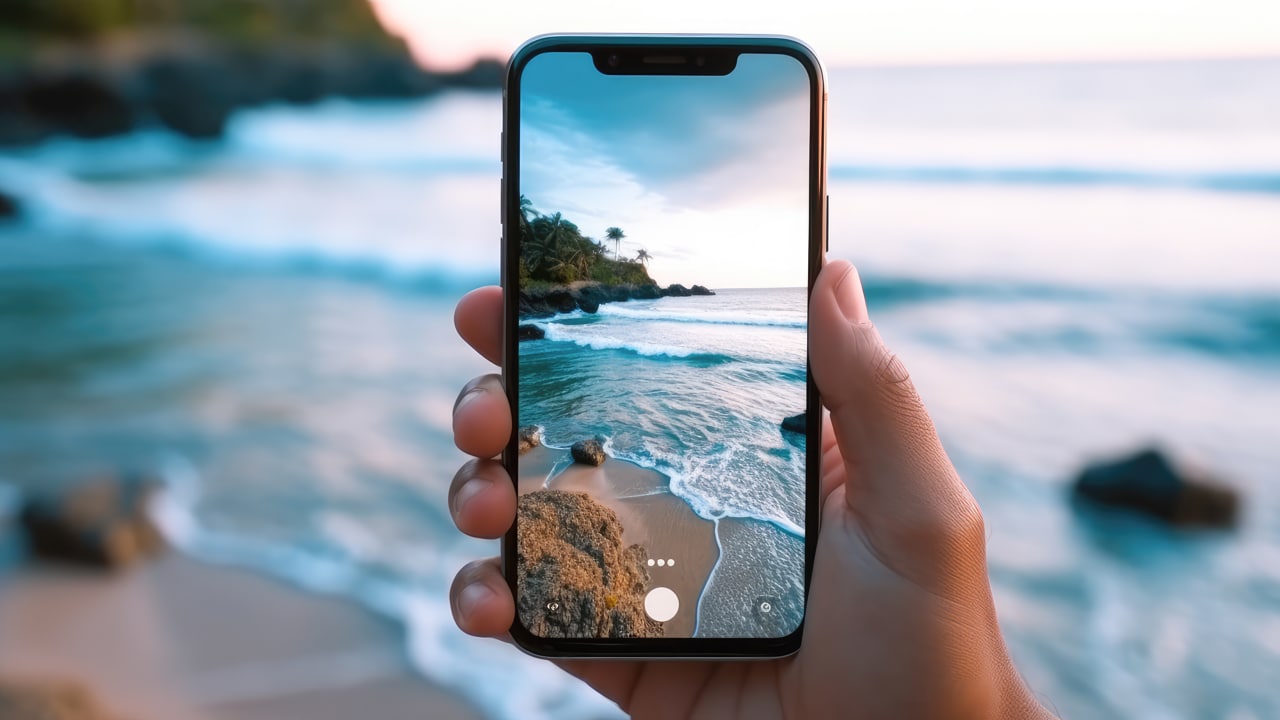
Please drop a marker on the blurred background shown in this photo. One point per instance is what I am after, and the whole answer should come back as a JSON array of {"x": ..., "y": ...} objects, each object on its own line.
[{"x": 232, "y": 233}]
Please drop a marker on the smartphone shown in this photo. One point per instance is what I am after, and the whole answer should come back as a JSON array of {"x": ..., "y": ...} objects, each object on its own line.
[{"x": 664, "y": 219}]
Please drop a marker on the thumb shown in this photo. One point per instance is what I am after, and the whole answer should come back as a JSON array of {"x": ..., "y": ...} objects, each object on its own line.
[{"x": 900, "y": 482}]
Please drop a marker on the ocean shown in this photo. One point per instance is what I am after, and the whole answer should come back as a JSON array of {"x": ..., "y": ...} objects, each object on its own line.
[
  {"x": 1073, "y": 261},
  {"x": 695, "y": 388}
]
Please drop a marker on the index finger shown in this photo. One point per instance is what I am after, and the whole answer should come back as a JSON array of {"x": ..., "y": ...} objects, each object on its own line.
[{"x": 478, "y": 319}]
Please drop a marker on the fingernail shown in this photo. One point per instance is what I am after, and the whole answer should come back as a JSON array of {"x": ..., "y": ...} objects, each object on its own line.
[
  {"x": 469, "y": 489},
  {"x": 847, "y": 298},
  {"x": 471, "y": 597},
  {"x": 467, "y": 397}
]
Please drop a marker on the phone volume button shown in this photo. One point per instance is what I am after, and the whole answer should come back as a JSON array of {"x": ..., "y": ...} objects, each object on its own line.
[{"x": 826, "y": 222}]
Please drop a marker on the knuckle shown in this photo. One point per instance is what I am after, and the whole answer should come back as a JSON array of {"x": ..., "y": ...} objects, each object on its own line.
[{"x": 965, "y": 527}]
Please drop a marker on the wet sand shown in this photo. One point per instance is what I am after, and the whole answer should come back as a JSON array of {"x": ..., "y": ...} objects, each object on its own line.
[
  {"x": 178, "y": 639},
  {"x": 650, "y": 515}
]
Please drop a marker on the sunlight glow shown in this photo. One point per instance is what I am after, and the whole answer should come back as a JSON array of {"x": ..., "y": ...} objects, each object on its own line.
[{"x": 863, "y": 32}]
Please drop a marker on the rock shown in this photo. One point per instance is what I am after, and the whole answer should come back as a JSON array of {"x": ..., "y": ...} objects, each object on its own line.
[
  {"x": 483, "y": 73},
  {"x": 190, "y": 95},
  {"x": 588, "y": 452},
  {"x": 590, "y": 297},
  {"x": 676, "y": 290},
  {"x": 530, "y": 332},
  {"x": 561, "y": 300},
  {"x": 79, "y": 102},
  {"x": 101, "y": 523},
  {"x": 530, "y": 438},
  {"x": 700, "y": 290},
  {"x": 796, "y": 424},
  {"x": 576, "y": 579},
  {"x": 1149, "y": 483},
  {"x": 646, "y": 292},
  {"x": 48, "y": 701},
  {"x": 9, "y": 208}
]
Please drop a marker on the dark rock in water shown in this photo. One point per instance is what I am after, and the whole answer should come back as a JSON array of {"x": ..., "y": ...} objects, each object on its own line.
[
  {"x": 530, "y": 438},
  {"x": 590, "y": 297},
  {"x": 29, "y": 700},
  {"x": 646, "y": 292},
  {"x": 1149, "y": 483},
  {"x": 619, "y": 293},
  {"x": 576, "y": 578},
  {"x": 101, "y": 523},
  {"x": 483, "y": 73},
  {"x": 562, "y": 301},
  {"x": 700, "y": 290},
  {"x": 795, "y": 424},
  {"x": 9, "y": 207},
  {"x": 588, "y": 452},
  {"x": 533, "y": 307},
  {"x": 78, "y": 102},
  {"x": 193, "y": 96},
  {"x": 676, "y": 290},
  {"x": 530, "y": 332}
]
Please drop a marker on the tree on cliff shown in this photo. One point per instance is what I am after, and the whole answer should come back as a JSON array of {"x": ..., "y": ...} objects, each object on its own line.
[
  {"x": 643, "y": 256},
  {"x": 553, "y": 250},
  {"x": 615, "y": 234}
]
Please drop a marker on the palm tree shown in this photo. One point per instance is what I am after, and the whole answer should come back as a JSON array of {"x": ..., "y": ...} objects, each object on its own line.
[
  {"x": 615, "y": 234},
  {"x": 643, "y": 256}
]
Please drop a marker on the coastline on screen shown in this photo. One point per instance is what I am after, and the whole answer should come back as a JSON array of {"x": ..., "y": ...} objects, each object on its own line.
[{"x": 663, "y": 264}]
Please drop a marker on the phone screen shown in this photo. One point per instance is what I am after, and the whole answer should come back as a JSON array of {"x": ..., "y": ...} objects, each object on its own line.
[{"x": 664, "y": 258}]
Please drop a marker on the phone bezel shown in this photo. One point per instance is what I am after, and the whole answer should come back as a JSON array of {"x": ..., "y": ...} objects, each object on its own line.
[{"x": 654, "y": 648}]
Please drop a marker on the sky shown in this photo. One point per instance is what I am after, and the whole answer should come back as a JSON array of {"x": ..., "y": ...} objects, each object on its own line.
[
  {"x": 706, "y": 174},
  {"x": 865, "y": 32}
]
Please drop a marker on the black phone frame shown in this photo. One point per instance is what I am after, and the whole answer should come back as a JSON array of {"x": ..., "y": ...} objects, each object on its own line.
[{"x": 631, "y": 50}]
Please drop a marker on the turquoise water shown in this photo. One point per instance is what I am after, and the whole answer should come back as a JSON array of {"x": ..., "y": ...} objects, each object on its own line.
[
  {"x": 695, "y": 388},
  {"x": 267, "y": 323}
]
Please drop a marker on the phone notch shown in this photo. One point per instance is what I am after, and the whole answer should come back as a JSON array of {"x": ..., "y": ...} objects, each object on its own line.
[{"x": 665, "y": 60}]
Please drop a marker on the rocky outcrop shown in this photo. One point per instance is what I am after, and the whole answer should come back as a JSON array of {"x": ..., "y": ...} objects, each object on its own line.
[
  {"x": 9, "y": 207},
  {"x": 796, "y": 424},
  {"x": 588, "y": 452},
  {"x": 530, "y": 332},
  {"x": 530, "y": 438},
  {"x": 90, "y": 70},
  {"x": 575, "y": 577},
  {"x": 101, "y": 523},
  {"x": 587, "y": 297},
  {"x": 1149, "y": 483},
  {"x": 28, "y": 700},
  {"x": 678, "y": 290}
]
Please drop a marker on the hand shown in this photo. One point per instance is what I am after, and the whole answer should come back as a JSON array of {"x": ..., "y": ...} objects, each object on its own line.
[{"x": 900, "y": 621}]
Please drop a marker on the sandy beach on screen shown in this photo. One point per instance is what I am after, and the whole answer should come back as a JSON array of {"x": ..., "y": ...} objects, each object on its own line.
[
  {"x": 650, "y": 515},
  {"x": 179, "y": 639}
]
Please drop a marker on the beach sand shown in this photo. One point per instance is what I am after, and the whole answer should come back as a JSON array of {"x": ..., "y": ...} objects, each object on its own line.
[
  {"x": 178, "y": 639},
  {"x": 650, "y": 515}
]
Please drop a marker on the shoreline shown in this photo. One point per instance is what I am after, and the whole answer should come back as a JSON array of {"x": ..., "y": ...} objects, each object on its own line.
[
  {"x": 650, "y": 515},
  {"x": 588, "y": 296},
  {"x": 184, "y": 639}
]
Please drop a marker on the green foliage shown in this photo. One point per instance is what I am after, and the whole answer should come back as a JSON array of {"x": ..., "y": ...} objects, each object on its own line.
[{"x": 554, "y": 250}]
